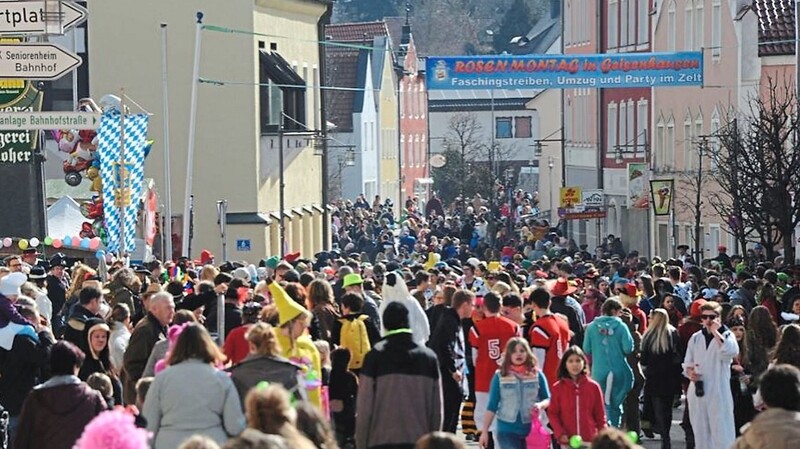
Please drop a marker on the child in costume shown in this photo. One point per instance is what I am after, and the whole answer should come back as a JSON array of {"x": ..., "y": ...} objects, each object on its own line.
[{"x": 576, "y": 401}]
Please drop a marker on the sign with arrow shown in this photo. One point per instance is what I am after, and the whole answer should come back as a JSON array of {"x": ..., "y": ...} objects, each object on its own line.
[
  {"x": 40, "y": 61},
  {"x": 12, "y": 121},
  {"x": 39, "y": 17}
]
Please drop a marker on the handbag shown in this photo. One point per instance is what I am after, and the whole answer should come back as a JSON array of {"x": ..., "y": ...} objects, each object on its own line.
[{"x": 539, "y": 436}]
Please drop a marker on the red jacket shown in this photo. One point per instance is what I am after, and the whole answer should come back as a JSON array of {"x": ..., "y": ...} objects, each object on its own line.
[{"x": 576, "y": 408}]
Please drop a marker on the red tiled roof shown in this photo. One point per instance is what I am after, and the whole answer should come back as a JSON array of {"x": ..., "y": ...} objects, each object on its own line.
[
  {"x": 775, "y": 27},
  {"x": 355, "y": 32},
  {"x": 341, "y": 70}
]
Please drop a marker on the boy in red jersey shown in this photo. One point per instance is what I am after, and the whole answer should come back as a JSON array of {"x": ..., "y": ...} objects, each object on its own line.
[
  {"x": 489, "y": 337},
  {"x": 549, "y": 336}
]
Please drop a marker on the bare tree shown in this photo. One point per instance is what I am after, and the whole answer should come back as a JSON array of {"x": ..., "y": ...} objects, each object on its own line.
[{"x": 758, "y": 168}]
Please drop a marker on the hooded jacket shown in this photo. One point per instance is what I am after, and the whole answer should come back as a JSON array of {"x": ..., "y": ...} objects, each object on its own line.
[
  {"x": 55, "y": 413},
  {"x": 576, "y": 408}
]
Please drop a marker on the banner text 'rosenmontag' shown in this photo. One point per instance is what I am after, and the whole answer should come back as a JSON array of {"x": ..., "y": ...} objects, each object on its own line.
[{"x": 565, "y": 71}]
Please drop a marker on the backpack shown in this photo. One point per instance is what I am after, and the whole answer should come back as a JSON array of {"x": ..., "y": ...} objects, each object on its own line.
[{"x": 354, "y": 337}]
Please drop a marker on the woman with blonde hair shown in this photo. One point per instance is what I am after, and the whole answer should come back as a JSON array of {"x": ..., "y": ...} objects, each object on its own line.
[
  {"x": 269, "y": 410},
  {"x": 265, "y": 363},
  {"x": 661, "y": 359},
  {"x": 171, "y": 414},
  {"x": 208, "y": 273}
]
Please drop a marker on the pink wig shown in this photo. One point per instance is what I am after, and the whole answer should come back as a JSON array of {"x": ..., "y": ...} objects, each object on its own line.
[{"x": 113, "y": 429}]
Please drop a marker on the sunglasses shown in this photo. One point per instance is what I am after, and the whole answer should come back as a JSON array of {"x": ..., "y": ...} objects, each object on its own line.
[{"x": 708, "y": 317}]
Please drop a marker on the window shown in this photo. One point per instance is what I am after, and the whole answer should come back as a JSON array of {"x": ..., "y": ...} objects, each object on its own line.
[
  {"x": 402, "y": 100},
  {"x": 630, "y": 17},
  {"x": 669, "y": 151},
  {"x": 699, "y": 25},
  {"x": 716, "y": 28},
  {"x": 613, "y": 29},
  {"x": 630, "y": 139},
  {"x": 641, "y": 127},
  {"x": 714, "y": 140},
  {"x": 688, "y": 26},
  {"x": 671, "y": 27},
  {"x": 404, "y": 155},
  {"x": 568, "y": 23},
  {"x": 522, "y": 127},
  {"x": 424, "y": 151},
  {"x": 622, "y": 140},
  {"x": 659, "y": 144},
  {"x": 643, "y": 22},
  {"x": 612, "y": 130},
  {"x": 503, "y": 128},
  {"x": 624, "y": 23},
  {"x": 289, "y": 100},
  {"x": 688, "y": 157},
  {"x": 698, "y": 127},
  {"x": 569, "y": 131}
]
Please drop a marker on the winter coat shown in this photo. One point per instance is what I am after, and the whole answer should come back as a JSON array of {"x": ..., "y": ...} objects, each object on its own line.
[
  {"x": 576, "y": 408},
  {"x": 24, "y": 366},
  {"x": 326, "y": 315},
  {"x": 55, "y": 413},
  {"x": 774, "y": 428},
  {"x": 257, "y": 368},
  {"x": 662, "y": 371},
  {"x": 148, "y": 331},
  {"x": 447, "y": 341},
  {"x": 217, "y": 413}
]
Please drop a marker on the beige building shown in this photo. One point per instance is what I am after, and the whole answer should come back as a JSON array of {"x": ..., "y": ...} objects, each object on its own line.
[
  {"x": 271, "y": 67},
  {"x": 683, "y": 118}
]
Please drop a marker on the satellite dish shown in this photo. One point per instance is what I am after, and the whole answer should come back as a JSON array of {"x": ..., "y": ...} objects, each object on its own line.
[{"x": 438, "y": 161}]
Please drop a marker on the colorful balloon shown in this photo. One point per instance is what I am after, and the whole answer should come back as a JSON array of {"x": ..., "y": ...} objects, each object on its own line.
[
  {"x": 7, "y": 242},
  {"x": 57, "y": 243},
  {"x": 34, "y": 242},
  {"x": 23, "y": 244},
  {"x": 48, "y": 240},
  {"x": 84, "y": 243},
  {"x": 94, "y": 243},
  {"x": 100, "y": 254},
  {"x": 633, "y": 436},
  {"x": 575, "y": 441},
  {"x": 67, "y": 241}
]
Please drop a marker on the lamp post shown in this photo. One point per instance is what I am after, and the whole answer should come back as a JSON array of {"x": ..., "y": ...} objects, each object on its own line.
[{"x": 550, "y": 165}]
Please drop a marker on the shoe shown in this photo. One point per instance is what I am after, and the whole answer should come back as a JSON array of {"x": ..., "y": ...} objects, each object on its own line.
[{"x": 648, "y": 433}]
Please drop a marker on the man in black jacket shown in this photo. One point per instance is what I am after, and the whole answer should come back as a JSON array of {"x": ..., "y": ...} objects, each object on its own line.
[
  {"x": 88, "y": 307},
  {"x": 447, "y": 341}
]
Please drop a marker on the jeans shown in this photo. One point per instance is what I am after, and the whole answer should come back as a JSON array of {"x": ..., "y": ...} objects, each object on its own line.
[{"x": 511, "y": 441}]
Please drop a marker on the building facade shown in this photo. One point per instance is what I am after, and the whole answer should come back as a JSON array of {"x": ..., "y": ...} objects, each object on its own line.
[
  {"x": 263, "y": 83},
  {"x": 685, "y": 120}
]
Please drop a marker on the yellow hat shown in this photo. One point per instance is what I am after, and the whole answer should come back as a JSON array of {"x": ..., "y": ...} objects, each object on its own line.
[
  {"x": 433, "y": 259},
  {"x": 288, "y": 309},
  {"x": 494, "y": 266}
]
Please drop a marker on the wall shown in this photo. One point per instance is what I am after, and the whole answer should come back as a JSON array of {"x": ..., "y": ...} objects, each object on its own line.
[{"x": 389, "y": 170}]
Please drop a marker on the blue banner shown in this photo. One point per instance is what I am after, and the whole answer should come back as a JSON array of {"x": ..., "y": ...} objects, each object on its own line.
[{"x": 565, "y": 71}]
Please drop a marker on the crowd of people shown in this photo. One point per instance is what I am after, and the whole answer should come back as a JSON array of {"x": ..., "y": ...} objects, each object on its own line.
[{"x": 470, "y": 320}]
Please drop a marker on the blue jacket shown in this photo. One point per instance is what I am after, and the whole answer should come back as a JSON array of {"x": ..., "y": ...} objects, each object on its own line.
[{"x": 511, "y": 399}]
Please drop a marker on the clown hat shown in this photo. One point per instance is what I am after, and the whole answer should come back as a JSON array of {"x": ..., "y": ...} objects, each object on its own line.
[{"x": 287, "y": 308}]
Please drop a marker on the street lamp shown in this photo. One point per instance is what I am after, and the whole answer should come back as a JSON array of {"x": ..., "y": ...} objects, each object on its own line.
[{"x": 550, "y": 165}]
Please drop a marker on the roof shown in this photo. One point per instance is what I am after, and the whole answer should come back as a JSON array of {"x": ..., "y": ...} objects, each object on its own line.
[
  {"x": 775, "y": 27},
  {"x": 341, "y": 70},
  {"x": 540, "y": 38},
  {"x": 355, "y": 31},
  {"x": 478, "y": 104}
]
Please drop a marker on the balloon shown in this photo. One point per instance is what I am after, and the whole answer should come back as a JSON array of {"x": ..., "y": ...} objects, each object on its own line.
[
  {"x": 84, "y": 243},
  {"x": 48, "y": 240},
  {"x": 100, "y": 254},
  {"x": 633, "y": 436},
  {"x": 67, "y": 241},
  {"x": 34, "y": 242},
  {"x": 575, "y": 441},
  {"x": 23, "y": 244},
  {"x": 57, "y": 243},
  {"x": 94, "y": 243},
  {"x": 7, "y": 242}
]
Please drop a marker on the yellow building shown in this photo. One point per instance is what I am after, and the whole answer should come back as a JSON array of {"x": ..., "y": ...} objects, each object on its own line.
[{"x": 236, "y": 152}]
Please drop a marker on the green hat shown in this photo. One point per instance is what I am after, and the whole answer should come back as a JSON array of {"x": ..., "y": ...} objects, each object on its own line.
[
  {"x": 783, "y": 277},
  {"x": 272, "y": 262},
  {"x": 352, "y": 279},
  {"x": 526, "y": 264}
]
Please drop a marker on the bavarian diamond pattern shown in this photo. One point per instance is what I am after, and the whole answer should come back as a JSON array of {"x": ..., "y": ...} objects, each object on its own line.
[{"x": 108, "y": 150}]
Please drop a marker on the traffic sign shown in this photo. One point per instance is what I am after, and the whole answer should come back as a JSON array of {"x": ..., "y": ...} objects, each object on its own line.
[
  {"x": 13, "y": 121},
  {"x": 39, "y": 61},
  {"x": 39, "y": 17}
]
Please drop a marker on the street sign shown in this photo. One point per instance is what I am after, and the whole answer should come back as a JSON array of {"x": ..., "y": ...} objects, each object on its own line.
[
  {"x": 38, "y": 61},
  {"x": 243, "y": 245},
  {"x": 13, "y": 121},
  {"x": 39, "y": 17}
]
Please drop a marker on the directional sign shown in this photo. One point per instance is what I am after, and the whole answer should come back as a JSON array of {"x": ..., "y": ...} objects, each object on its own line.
[
  {"x": 38, "y": 17},
  {"x": 42, "y": 61},
  {"x": 12, "y": 121}
]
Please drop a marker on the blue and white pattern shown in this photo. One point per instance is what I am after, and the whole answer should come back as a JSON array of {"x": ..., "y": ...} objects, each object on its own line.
[{"x": 108, "y": 150}]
